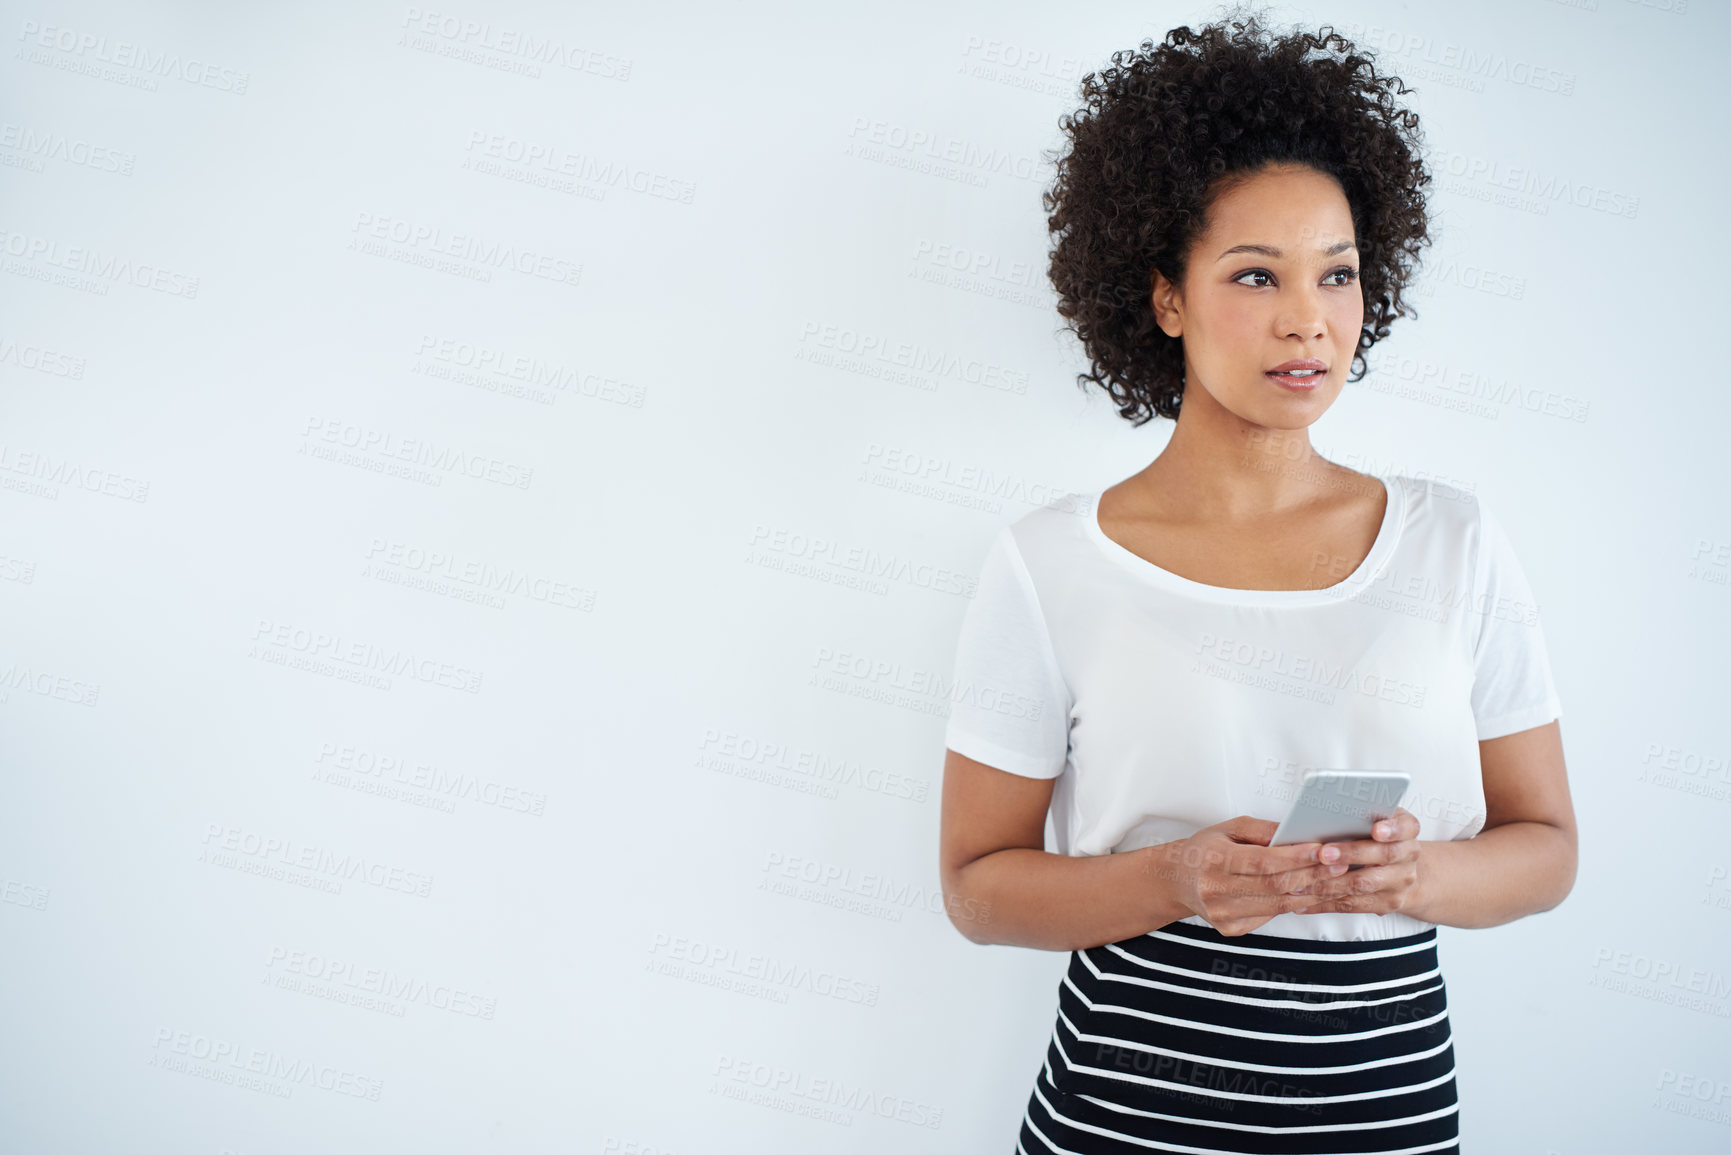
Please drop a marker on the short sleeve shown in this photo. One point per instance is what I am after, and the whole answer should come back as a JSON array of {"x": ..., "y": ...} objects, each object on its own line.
[
  {"x": 1009, "y": 705},
  {"x": 1513, "y": 689}
]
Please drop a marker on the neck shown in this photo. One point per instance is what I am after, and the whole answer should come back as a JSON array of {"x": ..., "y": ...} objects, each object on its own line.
[{"x": 1220, "y": 467}]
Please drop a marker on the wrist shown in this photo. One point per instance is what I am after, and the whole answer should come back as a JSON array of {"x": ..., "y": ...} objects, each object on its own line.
[
  {"x": 1163, "y": 883},
  {"x": 1421, "y": 895}
]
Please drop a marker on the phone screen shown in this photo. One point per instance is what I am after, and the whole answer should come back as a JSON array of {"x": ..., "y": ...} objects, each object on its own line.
[{"x": 1341, "y": 805}]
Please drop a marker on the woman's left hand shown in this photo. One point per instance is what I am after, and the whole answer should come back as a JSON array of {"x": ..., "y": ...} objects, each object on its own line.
[{"x": 1383, "y": 870}]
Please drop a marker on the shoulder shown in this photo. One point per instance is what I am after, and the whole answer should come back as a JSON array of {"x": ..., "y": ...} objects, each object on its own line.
[
  {"x": 1040, "y": 545},
  {"x": 1459, "y": 523},
  {"x": 1052, "y": 527},
  {"x": 1437, "y": 506},
  {"x": 1422, "y": 489}
]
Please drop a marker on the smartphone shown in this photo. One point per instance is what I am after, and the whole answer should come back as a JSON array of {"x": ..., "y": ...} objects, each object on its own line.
[{"x": 1341, "y": 805}]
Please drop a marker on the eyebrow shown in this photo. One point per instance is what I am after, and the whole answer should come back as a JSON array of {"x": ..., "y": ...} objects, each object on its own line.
[{"x": 1271, "y": 251}]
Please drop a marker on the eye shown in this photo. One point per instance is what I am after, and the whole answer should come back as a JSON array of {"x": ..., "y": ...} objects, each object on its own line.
[{"x": 1347, "y": 271}]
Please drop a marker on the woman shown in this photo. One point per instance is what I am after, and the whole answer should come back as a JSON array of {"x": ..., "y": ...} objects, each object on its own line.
[{"x": 1235, "y": 219}]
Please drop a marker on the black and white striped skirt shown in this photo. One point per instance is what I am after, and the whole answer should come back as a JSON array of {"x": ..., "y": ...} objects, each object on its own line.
[{"x": 1185, "y": 1039}]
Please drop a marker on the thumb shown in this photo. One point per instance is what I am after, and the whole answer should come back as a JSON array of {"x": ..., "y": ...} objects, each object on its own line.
[{"x": 1244, "y": 828}]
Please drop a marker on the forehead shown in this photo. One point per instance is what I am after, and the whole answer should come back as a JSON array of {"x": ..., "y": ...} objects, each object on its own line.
[{"x": 1293, "y": 208}]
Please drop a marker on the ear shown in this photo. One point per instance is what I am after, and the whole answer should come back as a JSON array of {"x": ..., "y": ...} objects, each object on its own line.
[{"x": 1167, "y": 303}]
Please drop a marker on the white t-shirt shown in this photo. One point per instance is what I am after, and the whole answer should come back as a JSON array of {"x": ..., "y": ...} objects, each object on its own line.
[{"x": 1162, "y": 705}]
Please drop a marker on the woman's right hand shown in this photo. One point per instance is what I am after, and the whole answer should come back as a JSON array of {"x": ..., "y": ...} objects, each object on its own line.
[{"x": 1229, "y": 875}]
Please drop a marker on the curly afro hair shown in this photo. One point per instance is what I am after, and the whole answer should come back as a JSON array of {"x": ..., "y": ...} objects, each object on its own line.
[{"x": 1166, "y": 130}]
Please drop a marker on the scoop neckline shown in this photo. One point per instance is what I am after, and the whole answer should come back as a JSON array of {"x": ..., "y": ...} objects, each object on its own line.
[{"x": 1387, "y": 534}]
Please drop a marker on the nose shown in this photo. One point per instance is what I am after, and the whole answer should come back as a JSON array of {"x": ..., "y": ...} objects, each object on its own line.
[{"x": 1304, "y": 317}]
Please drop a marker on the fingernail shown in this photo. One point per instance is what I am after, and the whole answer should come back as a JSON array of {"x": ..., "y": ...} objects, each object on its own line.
[
  {"x": 1384, "y": 829},
  {"x": 1330, "y": 853},
  {"x": 1337, "y": 868}
]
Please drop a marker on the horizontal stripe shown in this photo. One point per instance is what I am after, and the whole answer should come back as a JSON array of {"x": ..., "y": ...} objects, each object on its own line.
[
  {"x": 1239, "y": 1064},
  {"x": 1159, "y": 1145},
  {"x": 1245, "y": 1096},
  {"x": 1323, "y": 1128},
  {"x": 1320, "y": 988},
  {"x": 1272, "y": 945},
  {"x": 1242, "y": 1033},
  {"x": 1320, "y": 1129},
  {"x": 1255, "y": 1001}
]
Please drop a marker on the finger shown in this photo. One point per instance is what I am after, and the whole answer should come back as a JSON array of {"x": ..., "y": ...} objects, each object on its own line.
[
  {"x": 1403, "y": 825},
  {"x": 1353, "y": 904},
  {"x": 1277, "y": 859},
  {"x": 1362, "y": 851},
  {"x": 1273, "y": 904},
  {"x": 1368, "y": 881},
  {"x": 1308, "y": 876},
  {"x": 1256, "y": 831}
]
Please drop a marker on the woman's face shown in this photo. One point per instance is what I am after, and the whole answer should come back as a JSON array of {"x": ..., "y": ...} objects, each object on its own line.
[{"x": 1273, "y": 279}]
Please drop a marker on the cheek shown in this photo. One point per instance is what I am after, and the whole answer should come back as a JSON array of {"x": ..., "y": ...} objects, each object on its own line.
[
  {"x": 1345, "y": 322},
  {"x": 1348, "y": 315},
  {"x": 1239, "y": 318},
  {"x": 1243, "y": 310}
]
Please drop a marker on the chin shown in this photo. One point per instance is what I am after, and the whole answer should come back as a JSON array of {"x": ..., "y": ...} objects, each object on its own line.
[{"x": 1286, "y": 417}]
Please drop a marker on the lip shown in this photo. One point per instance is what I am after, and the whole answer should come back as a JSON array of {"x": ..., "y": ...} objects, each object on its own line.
[{"x": 1278, "y": 375}]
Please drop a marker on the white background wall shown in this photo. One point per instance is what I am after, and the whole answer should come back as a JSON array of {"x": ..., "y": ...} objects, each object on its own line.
[{"x": 561, "y": 791}]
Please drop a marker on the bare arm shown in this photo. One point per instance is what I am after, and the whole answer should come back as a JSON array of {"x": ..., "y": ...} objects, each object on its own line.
[
  {"x": 1521, "y": 863},
  {"x": 1524, "y": 860},
  {"x": 995, "y": 868},
  {"x": 1002, "y": 887}
]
